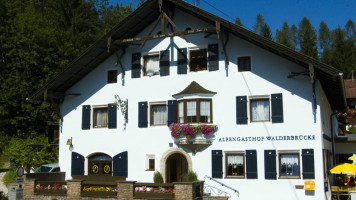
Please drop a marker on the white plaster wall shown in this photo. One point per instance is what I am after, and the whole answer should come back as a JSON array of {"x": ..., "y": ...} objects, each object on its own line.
[{"x": 269, "y": 75}]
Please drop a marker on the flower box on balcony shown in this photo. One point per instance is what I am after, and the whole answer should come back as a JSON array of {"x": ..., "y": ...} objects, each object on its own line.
[
  {"x": 98, "y": 194},
  {"x": 50, "y": 192},
  {"x": 154, "y": 195},
  {"x": 193, "y": 137}
]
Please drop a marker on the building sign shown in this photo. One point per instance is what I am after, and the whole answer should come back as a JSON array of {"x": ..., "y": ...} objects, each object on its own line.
[{"x": 267, "y": 138}]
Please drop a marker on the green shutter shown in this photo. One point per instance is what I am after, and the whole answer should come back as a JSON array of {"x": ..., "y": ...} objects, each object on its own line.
[
  {"x": 136, "y": 65},
  {"x": 308, "y": 163},
  {"x": 277, "y": 108},
  {"x": 164, "y": 63},
  {"x": 172, "y": 112},
  {"x": 77, "y": 167},
  {"x": 216, "y": 164},
  {"x": 182, "y": 61},
  {"x": 85, "y": 117},
  {"x": 213, "y": 57},
  {"x": 120, "y": 164},
  {"x": 112, "y": 116},
  {"x": 270, "y": 164},
  {"x": 241, "y": 110},
  {"x": 142, "y": 115},
  {"x": 251, "y": 164}
]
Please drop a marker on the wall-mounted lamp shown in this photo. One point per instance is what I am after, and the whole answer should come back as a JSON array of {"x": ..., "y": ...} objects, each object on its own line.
[{"x": 70, "y": 143}]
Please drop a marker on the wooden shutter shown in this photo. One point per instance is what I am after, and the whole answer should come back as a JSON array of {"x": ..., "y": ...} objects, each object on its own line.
[
  {"x": 164, "y": 63},
  {"x": 136, "y": 65},
  {"x": 270, "y": 164},
  {"x": 142, "y": 114},
  {"x": 216, "y": 164},
  {"x": 120, "y": 164},
  {"x": 308, "y": 163},
  {"x": 241, "y": 110},
  {"x": 277, "y": 108},
  {"x": 172, "y": 111},
  {"x": 112, "y": 116},
  {"x": 86, "y": 117},
  {"x": 213, "y": 57},
  {"x": 77, "y": 164},
  {"x": 251, "y": 164},
  {"x": 182, "y": 61}
]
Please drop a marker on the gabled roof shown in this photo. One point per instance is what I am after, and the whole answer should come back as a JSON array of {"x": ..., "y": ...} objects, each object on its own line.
[
  {"x": 193, "y": 88},
  {"x": 146, "y": 14}
]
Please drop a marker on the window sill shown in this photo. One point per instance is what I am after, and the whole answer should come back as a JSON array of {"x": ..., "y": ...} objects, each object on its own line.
[
  {"x": 289, "y": 177},
  {"x": 234, "y": 177},
  {"x": 149, "y": 170}
]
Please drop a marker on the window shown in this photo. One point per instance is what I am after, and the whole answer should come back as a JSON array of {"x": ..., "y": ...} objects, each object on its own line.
[
  {"x": 112, "y": 76},
  {"x": 235, "y": 165},
  {"x": 195, "y": 111},
  {"x": 244, "y": 63},
  {"x": 150, "y": 162},
  {"x": 289, "y": 165},
  {"x": 259, "y": 110},
  {"x": 151, "y": 65},
  {"x": 100, "y": 164},
  {"x": 159, "y": 114},
  {"x": 198, "y": 60},
  {"x": 100, "y": 117}
]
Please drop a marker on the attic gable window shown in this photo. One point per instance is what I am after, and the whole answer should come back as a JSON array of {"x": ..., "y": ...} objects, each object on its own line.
[
  {"x": 112, "y": 76},
  {"x": 244, "y": 63},
  {"x": 151, "y": 65},
  {"x": 198, "y": 60}
]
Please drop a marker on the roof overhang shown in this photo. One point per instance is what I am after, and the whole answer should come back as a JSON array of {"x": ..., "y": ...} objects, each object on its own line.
[{"x": 55, "y": 89}]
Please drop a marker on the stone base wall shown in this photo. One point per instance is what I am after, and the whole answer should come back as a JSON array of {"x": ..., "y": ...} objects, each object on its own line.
[{"x": 125, "y": 191}]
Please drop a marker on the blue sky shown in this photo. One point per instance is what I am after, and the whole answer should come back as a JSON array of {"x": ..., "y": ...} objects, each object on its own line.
[{"x": 275, "y": 12}]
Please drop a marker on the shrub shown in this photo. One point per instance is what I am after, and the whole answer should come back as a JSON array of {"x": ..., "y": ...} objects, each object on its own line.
[
  {"x": 192, "y": 176},
  {"x": 10, "y": 176},
  {"x": 157, "y": 177}
]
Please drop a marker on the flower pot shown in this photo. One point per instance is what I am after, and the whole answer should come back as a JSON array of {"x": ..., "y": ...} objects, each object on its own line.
[{"x": 188, "y": 137}]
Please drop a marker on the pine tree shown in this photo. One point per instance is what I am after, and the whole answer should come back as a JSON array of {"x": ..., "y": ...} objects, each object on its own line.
[
  {"x": 284, "y": 36},
  {"x": 260, "y": 22},
  {"x": 324, "y": 42},
  {"x": 238, "y": 21},
  {"x": 266, "y": 31},
  {"x": 307, "y": 38}
]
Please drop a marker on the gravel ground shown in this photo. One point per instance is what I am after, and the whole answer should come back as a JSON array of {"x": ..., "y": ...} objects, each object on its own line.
[{"x": 3, "y": 188}]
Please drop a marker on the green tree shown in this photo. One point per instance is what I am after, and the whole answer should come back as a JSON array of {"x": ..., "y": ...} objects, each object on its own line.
[
  {"x": 325, "y": 40},
  {"x": 350, "y": 29},
  {"x": 284, "y": 36},
  {"x": 266, "y": 31},
  {"x": 238, "y": 21},
  {"x": 260, "y": 22},
  {"x": 342, "y": 53},
  {"x": 307, "y": 38},
  {"x": 294, "y": 36}
]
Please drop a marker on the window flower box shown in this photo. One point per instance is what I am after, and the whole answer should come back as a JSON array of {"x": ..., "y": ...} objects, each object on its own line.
[{"x": 193, "y": 137}]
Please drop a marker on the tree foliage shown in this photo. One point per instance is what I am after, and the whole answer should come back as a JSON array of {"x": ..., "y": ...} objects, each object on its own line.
[
  {"x": 37, "y": 39},
  {"x": 307, "y": 38}
]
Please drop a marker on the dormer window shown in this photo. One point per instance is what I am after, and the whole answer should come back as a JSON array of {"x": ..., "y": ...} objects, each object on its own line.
[{"x": 151, "y": 65}]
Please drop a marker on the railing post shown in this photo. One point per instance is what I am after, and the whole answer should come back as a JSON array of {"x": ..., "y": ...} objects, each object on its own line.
[
  {"x": 125, "y": 190},
  {"x": 74, "y": 188},
  {"x": 186, "y": 190},
  {"x": 28, "y": 187}
]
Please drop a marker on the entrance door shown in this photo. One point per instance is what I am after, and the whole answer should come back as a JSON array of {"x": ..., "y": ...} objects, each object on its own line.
[{"x": 176, "y": 168}]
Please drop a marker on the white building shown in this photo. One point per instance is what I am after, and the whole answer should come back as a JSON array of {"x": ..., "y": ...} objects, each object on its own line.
[{"x": 274, "y": 107}]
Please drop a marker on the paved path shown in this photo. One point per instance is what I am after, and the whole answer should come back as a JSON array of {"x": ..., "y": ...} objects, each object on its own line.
[{"x": 3, "y": 188}]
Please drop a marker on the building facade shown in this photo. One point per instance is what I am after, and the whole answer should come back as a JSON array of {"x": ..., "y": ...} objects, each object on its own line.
[{"x": 261, "y": 116}]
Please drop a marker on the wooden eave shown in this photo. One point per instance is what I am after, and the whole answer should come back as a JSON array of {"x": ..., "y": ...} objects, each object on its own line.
[{"x": 146, "y": 14}]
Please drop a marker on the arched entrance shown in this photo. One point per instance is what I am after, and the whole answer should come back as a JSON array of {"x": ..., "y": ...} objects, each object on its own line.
[
  {"x": 176, "y": 168},
  {"x": 175, "y": 164}
]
